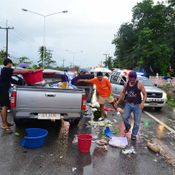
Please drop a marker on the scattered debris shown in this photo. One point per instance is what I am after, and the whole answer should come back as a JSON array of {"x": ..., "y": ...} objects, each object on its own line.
[
  {"x": 17, "y": 134},
  {"x": 74, "y": 169},
  {"x": 104, "y": 147},
  {"x": 75, "y": 140},
  {"x": 108, "y": 132},
  {"x": 129, "y": 150},
  {"x": 101, "y": 142},
  {"x": 153, "y": 146},
  {"x": 120, "y": 142},
  {"x": 155, "y": 160},
  {"x": 164, "y": 151},
  {"x": 115, "y": 121}
]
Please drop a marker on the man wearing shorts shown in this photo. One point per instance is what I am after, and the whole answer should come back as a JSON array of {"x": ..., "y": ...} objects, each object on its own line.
[
  {"x": 103, "y": 88},
  {"x": 5, "y": 83}
]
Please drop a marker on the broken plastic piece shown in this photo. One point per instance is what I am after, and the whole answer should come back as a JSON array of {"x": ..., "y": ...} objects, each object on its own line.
[
  {"x": 120, "y": 142},
  {"x": 108, "y": 132},
  {"x": 73, "y": 169},
  {"x": 129, "y": 150}
]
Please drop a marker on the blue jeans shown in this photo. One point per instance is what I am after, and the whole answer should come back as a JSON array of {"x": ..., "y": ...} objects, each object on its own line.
[{"x": 137, "y": 111}]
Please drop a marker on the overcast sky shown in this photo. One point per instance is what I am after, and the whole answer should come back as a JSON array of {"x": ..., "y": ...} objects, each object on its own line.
[{"x": 81, "y": 37}]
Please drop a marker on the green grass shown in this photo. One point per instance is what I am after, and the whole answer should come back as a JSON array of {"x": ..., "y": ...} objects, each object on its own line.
[{"x": 171, "y": 102}]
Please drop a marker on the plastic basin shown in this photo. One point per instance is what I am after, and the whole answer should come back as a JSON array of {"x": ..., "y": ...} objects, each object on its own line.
[
  {"x": 33, "y": 77},
  {"x": 35, "y": 138}
]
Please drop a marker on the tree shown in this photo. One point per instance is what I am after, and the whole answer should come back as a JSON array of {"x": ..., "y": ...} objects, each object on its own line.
[
  {"x": 24, "y": 60},
  {"x": 108, "y": 62},
  {"x": 148, "y": 41},
  {"x": 2, "y": 56},
  {"x": 45, "y": 57}
]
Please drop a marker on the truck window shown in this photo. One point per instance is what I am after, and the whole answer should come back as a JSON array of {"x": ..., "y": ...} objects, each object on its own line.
[{"x": 114, "y": 79}]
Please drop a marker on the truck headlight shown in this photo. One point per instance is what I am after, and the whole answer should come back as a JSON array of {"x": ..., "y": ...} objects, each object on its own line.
[{"x": 164, "y": 96}]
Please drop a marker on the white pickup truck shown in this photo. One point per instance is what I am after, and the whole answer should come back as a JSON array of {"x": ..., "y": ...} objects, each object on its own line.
[
  {"x": 156, "y": 97},
  {"x": 32, "y": 102}
]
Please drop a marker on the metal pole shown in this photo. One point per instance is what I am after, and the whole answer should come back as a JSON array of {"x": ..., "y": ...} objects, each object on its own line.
[
  {"x": 6, "y": 29},
  {"x": 6, "y": 43},
  {"x": 44, "y": 47}
]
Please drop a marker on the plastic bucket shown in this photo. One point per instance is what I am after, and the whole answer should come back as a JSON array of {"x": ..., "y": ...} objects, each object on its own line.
[
  {"x": 33, "y": 77},
  {"x": 84, "y": 142}
]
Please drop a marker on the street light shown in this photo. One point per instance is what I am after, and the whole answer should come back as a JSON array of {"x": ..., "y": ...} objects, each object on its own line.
[{"x": 44, "y": 27}]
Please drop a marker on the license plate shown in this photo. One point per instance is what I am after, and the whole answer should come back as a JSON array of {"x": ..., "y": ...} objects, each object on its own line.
[
  {"x": 152, "y": 103},
  {"x": 49, "y": 116}
]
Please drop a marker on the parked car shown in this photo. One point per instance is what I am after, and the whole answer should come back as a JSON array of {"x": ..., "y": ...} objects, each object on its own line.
[{"x": 156, "y": 97}]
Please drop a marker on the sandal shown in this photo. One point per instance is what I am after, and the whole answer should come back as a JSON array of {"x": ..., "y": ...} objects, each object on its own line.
[
  {"x": 8, "y": 130},
  {"x": 10, "y": 124}
]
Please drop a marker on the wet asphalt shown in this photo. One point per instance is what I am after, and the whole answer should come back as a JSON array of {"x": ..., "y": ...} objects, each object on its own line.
[{"x": 60, "y": 154}]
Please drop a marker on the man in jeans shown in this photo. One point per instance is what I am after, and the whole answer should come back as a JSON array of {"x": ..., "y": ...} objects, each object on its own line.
[{"x": 133, "y": 103}]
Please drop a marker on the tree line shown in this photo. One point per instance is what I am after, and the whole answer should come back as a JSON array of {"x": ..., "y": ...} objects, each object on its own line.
[
  {"x": 147, "y": 42},
  {"x": 45, "y": 58}
]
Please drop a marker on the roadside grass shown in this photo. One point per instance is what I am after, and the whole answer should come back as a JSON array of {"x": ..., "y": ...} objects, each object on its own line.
[
  {"x": 171, "y": 102},
  {"x": 170, "y": 95}
]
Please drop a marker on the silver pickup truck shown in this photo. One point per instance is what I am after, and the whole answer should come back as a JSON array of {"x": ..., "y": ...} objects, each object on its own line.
[{"x": 32, "y": 102}]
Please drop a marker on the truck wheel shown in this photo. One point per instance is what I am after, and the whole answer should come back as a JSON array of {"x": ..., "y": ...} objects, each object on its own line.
[
  {"x": 18, "y": 122},
  {"x": 74, "y": 121},
  {"x": 158, "y": 109}
]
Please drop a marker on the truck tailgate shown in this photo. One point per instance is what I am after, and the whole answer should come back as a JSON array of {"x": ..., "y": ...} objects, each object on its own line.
[{"x": 48, "y": 100}]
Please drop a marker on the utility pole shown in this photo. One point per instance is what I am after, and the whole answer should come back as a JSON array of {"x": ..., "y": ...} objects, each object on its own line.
[
  {"x": 7, "y": 30},
  {"x": 63, "y": 61}
]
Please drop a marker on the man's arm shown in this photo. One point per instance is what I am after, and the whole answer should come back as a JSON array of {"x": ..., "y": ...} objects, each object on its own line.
[
  {"x": 122, "y": 94},
  {"x": 21, "y": 71},
  {"x": 87, "y": 80},
  {"x": 142, "y": 88}
]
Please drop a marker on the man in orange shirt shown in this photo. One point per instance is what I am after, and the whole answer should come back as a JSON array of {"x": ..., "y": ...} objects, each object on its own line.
[{"x": 103, "y": 87}]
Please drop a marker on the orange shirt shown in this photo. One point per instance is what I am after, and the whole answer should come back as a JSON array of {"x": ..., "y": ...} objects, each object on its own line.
[{"x": 103, "y": 87}]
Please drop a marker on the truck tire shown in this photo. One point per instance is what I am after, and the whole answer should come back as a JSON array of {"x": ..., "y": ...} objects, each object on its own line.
[
  {"x": 18, "y": 122},
  {"x": 75, "y": 121}
]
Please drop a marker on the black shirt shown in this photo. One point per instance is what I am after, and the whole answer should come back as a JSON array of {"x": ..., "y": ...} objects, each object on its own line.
[
  {"x": 5, "y": 78},
  {"x": 133, "y": 94}
]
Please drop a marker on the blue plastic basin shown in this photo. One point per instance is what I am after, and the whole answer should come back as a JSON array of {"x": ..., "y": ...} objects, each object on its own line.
[{"x": 35, "y": 138}]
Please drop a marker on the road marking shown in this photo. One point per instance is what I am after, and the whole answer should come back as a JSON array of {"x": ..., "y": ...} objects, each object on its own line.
[{"x": 160, "y": 122}]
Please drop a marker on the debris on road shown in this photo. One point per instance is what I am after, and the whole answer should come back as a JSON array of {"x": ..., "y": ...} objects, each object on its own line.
[
  {"x": 163, "y": 150},
  {"x": 104, "y": 147},
  {"x": 120, "y": 142},
  {"x": 153, "y": 146},
  {"x": 17, "y": 134},
  {"x": 74, "y": 169},
  {"x": 130, "y": 150},
  {"x": 101, "y": 142},
  {"x": 75, "y": 140}
]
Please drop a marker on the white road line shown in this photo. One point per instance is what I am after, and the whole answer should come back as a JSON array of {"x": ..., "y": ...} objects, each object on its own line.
[{"x": 160, "y": 122}]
